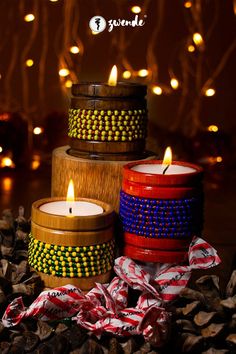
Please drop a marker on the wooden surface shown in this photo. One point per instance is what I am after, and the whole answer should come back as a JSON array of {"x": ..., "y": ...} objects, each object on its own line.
[
  {"x": 92, "y": 178},
  {"x": 71, "y": 238},
  {"x": 122, "y": 89},
  {"x": 84, "y": 283},
  {"x": 75, "y": 223}
]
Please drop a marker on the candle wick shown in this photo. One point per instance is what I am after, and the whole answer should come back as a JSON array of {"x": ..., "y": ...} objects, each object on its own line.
[
  {"x": 70, "y": 210},
  {"x": 165, "y": 169}
]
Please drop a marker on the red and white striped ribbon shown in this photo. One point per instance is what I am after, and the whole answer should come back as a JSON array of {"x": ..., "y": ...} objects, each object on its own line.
[{"x": 104, "y": 308}]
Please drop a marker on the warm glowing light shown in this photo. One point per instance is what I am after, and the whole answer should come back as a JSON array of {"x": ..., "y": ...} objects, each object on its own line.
[
  {"x": 157, "y": 90},
  {"x": 53, "y": 0},
  {"x": 197, "y": 38},
  {"x": 167, "y": 156},
  {"x": 35, "y": 165},
  {"x": 64, "y": 72},
  {"x": 70, "y": 192},
  {"x": 136, "y": 9},
  {"x": 4, "y": 117},
  {"x": 74, "y": 49},
  {"x": 36, "y": 162},
  {"x": 212, "y": 128},
  {"x": 94, "y": 33},
  {"x": 1, "y": 149},
  {"x": 112, "y": 81},
  {"x": 174, "y": 83},
  {"x": 68, "y": 83},
  {"x": 7, "y": 184},
  {"x": 29, "y": 62},
  {"x": 187, "y": 4},
  {"x": 219, "y": 159},
  {"x": 191, "y": 48},
  {"x": 210, "y": 92},
  {"x": 234, "y": 6},
  {"x": 29, "y": 18},
  {"x": 38, "y": 130},
  {"x": 126, "y": 74},
  {"x": 7, "y": 162},
  {"x": 143, "y": 73}
]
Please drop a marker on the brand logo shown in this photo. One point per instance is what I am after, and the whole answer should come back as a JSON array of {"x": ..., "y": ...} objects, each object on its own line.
[{"x": 98, "y": 23}]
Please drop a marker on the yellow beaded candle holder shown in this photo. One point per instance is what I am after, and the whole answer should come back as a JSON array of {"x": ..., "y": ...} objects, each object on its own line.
[
  {"x": 76, "y": 250},
  {"x": 108, "y": 121}
]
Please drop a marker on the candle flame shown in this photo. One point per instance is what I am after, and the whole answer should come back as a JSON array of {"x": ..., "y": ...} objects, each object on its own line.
[
  {"x": 112, "y": 81},
  {"x": 70, "y": 192},
  {"x": 167, "y": 156}
]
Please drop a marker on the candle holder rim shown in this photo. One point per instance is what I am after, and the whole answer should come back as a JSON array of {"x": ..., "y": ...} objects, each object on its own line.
[
  {"x": 128, "y": 167},
  {"x": 98, "y": 83}
]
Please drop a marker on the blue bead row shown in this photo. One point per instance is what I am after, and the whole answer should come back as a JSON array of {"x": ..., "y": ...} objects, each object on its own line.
[{"x": 155, "y": 218}]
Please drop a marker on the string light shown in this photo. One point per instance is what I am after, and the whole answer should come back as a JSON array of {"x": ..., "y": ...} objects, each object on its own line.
[
  {"x": 1, "y": 149},
  {"x": 7, "y": 184},
  {"x": 7, "y": 162},
  {"x": 210, "y": 92},
  {"x": 29, "y": 62},
  {"x": 36, "y": 162},
  {"x": 126, "y": 74},
  {"x": 74, "y": 49},
  {"x": 197, "y": 38},
  {"x": 212, "y": 128},
  {"x": 187, "y": 4},
  {"x": 234, "y": 6},
  {"x": 143, "y": 73},
  {"x": 29, "y": 18},
  {"x": 174, "y": 83},
  {"x": 37, "y": 130},
  {"x": 136, "y": 9},
  {"x": 219, "y": 159},
  {"x": 191, "y": 48},
  {"x": 157, "y": 90},
  {"x": 68, "y": 83},
  {"x": 64, "y": 72}
]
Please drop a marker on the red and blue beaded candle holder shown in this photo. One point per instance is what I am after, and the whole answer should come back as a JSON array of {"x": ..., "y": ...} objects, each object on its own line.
[{"x": 160, "y": 213}]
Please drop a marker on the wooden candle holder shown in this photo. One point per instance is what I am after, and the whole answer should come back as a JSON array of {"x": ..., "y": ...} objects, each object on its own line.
[
  {"x": 108, "y": 120},
  {"x": 98, "y": 179},
  {"x": 76, "y": 250}
]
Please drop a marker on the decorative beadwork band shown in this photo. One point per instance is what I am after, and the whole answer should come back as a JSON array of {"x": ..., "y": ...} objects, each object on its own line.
[
  {"x": 107, "y": 125},
  {"x": 158, "y": 218},
  {"x": 62, "y": 261}
]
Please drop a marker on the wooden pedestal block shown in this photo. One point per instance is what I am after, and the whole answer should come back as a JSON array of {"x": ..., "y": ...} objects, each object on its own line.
[{"x": 99, "y": 179}]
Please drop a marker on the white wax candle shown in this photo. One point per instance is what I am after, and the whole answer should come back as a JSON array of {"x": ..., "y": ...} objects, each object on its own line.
[
  {"x": 78, "y": 208},
  {"x": 157, "y": 169}
]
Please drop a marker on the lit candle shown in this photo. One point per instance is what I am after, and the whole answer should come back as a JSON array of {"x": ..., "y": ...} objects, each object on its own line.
[
  {"x": 112, "y": 81},
  {"x": 70, "y": 207},
  {"x": 166, "y": 167}
]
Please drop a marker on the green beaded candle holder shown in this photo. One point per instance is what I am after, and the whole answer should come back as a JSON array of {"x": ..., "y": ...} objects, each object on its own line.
[
  {"x": 107, "y": 125},
  {"x": 62, "y": 261},
  {"x": 106, "y": 120}
]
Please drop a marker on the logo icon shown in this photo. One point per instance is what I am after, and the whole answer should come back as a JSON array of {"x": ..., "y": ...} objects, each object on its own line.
[{"x": 97, "y": 24}]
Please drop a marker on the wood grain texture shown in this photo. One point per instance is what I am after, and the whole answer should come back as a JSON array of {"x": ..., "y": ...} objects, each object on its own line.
[
  {"x": 71, "y": 238},
  {"x": 96, "y": 89},
  {"x": 84, "y": 283},
  {"x": 107, "y": 103},
  {"x": 92, "y": 178},
  {"x": 108, "y": 147}
]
